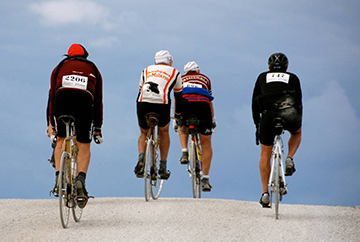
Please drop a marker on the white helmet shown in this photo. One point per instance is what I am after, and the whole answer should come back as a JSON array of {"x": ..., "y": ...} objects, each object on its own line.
[
  {"x": 191, "y": 66},
  {"x": 163, "y": 56}
]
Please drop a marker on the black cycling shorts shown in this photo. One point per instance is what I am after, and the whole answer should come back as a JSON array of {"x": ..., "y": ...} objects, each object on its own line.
[
  {"x": 292, "y": 120},
  {"x": 202, "y": 111},
  {"x": 163, "y": 110},
  {"x": 79, "y": 105}
]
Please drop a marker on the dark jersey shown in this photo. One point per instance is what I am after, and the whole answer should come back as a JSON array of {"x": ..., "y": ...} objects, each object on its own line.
[
  {"x": 79, "y": 75},
  {"x": 271, "y": 91}
]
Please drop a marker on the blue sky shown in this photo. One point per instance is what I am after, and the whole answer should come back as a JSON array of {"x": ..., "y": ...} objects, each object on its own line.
[{"x": 231, "y": 41}]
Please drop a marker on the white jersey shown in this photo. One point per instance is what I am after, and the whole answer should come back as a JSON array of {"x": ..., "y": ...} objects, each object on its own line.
[{"x": 156, "y": 83}]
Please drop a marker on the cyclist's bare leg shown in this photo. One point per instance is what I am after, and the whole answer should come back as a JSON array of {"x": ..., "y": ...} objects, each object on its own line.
[
  {"x": 207, "y": 153},
  {"x": 265, "y": 167},
  {"x": 184, "y": 137},
  {"x": 294, "y": 142},
  {"x": 164, "y": 141},
  {"x": 142, "y": 139},
  {"x": 59, "y": 144},
  {"x": 83, "y": 159}
]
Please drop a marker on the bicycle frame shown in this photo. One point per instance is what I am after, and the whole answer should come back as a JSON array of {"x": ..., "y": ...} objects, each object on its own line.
[
  {"x": 67, "y": 195},
  {"x": 71, "y": 148},
  {"x": 151, "y": 138},
  {"x": 195, "y": 140},
  {"x": 277, "y": 187},
  {"x": 277, "y": 160}
]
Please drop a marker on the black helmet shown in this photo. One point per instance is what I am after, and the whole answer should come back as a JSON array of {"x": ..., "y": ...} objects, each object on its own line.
[{"x": 278, "y": 61}]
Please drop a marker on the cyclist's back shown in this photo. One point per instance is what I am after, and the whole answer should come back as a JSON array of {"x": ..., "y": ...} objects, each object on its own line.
[
  {"x": 277, "y": 93},
  {"x": 156, "y": 83}
]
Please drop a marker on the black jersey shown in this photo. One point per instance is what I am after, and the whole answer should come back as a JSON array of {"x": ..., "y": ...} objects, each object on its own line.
[{"x": 275, "y": 90}]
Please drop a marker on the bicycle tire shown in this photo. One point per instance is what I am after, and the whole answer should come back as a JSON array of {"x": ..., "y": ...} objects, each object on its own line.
[
  {"x": 76, "y": 211},
  {"x": 195, "y": 180},
  {"x": 64, "y": 189},
  {"x": 157, "y": 184},
  {"x": 198, "y": 180},
  {"x": 277, "y": 187},
  {"x": 147, "y": 167}
]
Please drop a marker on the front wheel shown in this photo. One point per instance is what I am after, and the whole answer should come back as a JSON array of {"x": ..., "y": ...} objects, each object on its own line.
[
  {"x": 64, "y": 189},
  {"x": 76, "y": 210},
  {"x": 156, "y": 182},
  {"x": 77, "y": 213},
  {"x": 156, "y": 187}
]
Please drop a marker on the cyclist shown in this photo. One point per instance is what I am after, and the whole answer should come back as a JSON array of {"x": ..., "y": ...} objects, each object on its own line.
[
  {"x": 197, "y": 100},
  {"x": 76, "y": 90},
  {"x": 277, "y": 93},
  {"x": 156, "y": 83}
]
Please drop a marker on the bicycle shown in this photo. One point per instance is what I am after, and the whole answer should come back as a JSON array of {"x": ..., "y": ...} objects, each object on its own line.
[
  {"x": 277, "y": 182},
  {"x": 153, "y": 183},
  {"x": 67, "y": 174},
  {"x": 195, "y": 151}
]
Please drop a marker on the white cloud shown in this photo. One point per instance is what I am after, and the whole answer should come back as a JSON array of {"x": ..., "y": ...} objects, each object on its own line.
[
  {"x": 330, "y": 122},
  {"x": 65, "y": 12},
  {"x": 104, "y": 42}
]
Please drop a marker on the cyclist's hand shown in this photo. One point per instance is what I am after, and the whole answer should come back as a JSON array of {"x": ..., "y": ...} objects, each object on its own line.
[
  {"x": 175, "y": 125},
  {"x": 257, "y": 134},
  {"x": 214, "y": 123},
  {"x": 51, "y": 133},
  {"x": 98, "y": 139}
]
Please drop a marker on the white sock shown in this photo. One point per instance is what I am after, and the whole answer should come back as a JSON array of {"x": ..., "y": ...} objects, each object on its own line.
[
  {"x": 184, "y": 150},
  {"x": 206, "y": 176}
]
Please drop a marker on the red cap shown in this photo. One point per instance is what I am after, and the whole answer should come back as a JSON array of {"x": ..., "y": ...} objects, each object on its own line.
[{"x": 77, "y": 49}]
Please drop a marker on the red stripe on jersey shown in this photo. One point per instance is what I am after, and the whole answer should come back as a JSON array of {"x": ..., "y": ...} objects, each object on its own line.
[{"x": 167, "y": 84}]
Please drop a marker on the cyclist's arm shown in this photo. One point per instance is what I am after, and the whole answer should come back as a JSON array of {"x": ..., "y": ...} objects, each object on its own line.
[
  {"x": 255, "y": 107},
  {"x": 98, "y": 102},
  {"x": 177, "y": 103},
  {"x": 298, "y": 95},
  {"x": 212, "y": 109},
  {"x": 49, "y": 111},
  {"x": 178, "y": 95}
]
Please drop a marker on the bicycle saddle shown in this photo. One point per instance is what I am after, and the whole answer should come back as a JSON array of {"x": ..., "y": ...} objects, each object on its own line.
[
  {"x": 152, "y": 118},
  {"x": 278, "y": 125},
  {"x": 192, "y": 120},
  {"x": 66, "y": 119}
]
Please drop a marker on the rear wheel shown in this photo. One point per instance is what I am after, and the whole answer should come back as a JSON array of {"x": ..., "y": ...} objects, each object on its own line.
[
  {"x": 195, "y": 178},
  {"x": 277, "y": 189},
  {"x": 147, "y": 171},
  {"x": 64, "y": 189}
]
